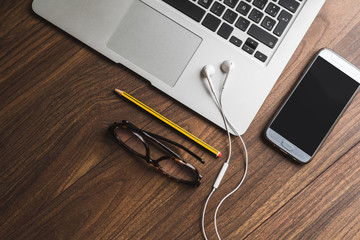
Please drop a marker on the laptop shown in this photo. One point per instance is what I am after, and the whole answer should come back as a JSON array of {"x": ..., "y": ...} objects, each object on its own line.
[{"x": 168, "y": 42}]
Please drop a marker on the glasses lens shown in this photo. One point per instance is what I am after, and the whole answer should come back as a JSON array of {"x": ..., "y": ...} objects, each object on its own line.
[
  {"x": 177, "y": 169},
  {"x": 133, "y": 141}
]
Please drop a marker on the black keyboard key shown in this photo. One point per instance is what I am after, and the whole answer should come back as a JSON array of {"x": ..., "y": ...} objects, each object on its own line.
[
  {"x": 205, "y": 3},
  {"x": 243, "y": 8},
  {"x": 284, "y": 16},
  {"x": 262, "y": 57},
  {"x": 211, "y": 22},
  {"x": 188, "y": 8},
  {"x": 268, "y": 23},
  {"x": 263, "y": 36},
  {"x": 242, "y": 24},
  {"x": 250, "y": 45},
  {"x": 231, "y": 3},
  {"x": 260, "y": 3},
  {"x": 291, "y": 5},
  {"x": 217, "y": 8},
  {"x": 230, "y": 16},
  {"x": 247, "y": 49},
  {"x": 284, "y": 19},
  {"x": 256, "y": 15},
  {"x": 272, "y": 9},
  {"x": 225, "y": 30},
  {"x": 234, "y": 40}
]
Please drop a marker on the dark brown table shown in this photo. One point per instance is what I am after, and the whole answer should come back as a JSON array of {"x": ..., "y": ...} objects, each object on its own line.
[{"x": 64, "y": 177}]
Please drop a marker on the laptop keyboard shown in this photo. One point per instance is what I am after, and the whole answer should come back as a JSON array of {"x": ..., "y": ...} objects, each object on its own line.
[{"x": 254, "y": 26}]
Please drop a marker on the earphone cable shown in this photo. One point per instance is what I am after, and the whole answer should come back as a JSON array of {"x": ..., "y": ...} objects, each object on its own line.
[
  {"x": 226, "y": 123},
  {"x": 229, "y": 153},
  {"x": 218, "y": 104},
  {"x": 245, "y": 171},
  {"x": 203, "y": 215}
]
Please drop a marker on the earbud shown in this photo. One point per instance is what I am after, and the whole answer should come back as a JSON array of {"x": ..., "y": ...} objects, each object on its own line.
[
  {"x": 208, "y": 70},
  {"x": 227, "y": 66}
]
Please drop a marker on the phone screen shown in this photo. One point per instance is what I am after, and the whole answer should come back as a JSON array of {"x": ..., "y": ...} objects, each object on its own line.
[{"x": 314, "y": 106}]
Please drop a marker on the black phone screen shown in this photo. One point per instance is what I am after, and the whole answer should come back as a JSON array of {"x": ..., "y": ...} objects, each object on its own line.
[{"x": 314, "y": 106}]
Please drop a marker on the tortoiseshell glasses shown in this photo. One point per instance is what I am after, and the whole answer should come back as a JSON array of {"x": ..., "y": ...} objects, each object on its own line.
[{"x": 171, "y": 164}]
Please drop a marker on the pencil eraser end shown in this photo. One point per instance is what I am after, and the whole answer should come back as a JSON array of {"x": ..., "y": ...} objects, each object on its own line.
[{"x": 218, "y": 155}]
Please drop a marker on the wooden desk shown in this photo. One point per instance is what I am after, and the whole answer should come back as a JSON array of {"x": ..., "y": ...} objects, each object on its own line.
[{"x": 64, "y": 177}]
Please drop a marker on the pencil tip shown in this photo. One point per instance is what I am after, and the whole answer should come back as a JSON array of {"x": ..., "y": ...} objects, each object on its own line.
[{"x": 118, "y": 91}]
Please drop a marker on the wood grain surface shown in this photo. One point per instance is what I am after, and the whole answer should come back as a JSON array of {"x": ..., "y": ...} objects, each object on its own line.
[{"x": 62, "y": 175}]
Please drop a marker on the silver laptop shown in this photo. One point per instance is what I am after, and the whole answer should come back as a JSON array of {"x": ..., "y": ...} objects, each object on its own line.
[{"x": 169, "y": 41}]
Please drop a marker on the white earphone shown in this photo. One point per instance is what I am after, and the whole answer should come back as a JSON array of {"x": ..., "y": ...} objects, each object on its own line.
[
  {"x": 208, "y": 71},
  {"x": 227, "y": 66}
]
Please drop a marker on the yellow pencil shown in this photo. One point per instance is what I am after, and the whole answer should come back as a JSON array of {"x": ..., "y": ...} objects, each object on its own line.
[{"x": 168, "y": 122}]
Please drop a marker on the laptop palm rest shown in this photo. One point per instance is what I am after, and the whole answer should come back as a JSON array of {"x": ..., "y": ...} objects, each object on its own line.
[{"x": 158, "y": 45}]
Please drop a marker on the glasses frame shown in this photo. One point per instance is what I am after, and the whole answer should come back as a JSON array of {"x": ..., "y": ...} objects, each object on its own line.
[{"x": 146, "y": 137}]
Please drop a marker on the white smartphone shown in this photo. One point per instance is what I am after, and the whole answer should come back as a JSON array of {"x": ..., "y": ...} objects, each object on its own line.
[{"x": 314, "y": 106}]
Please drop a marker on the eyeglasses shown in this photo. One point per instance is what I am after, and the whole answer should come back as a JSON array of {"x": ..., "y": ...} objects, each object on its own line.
[{"x": 138, "y": 142}]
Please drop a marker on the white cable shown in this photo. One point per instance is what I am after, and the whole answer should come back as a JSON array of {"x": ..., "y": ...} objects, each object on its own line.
[
  {"x": 223, "y": 86},
  {"x": 233, "y": 191},
  {"x": 222, "y": 172},
  {"x": 245, "y": 171},
  {"x": 203, "y": 215},
  {"x": 218, "y": 104}
]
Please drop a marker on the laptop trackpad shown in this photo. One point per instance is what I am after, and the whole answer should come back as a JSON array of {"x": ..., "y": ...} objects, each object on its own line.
[{"x": 154, "y": 43}]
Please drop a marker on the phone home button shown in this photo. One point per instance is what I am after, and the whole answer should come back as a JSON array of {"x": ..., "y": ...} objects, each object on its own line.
[{"x": 288, "y": 146}]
